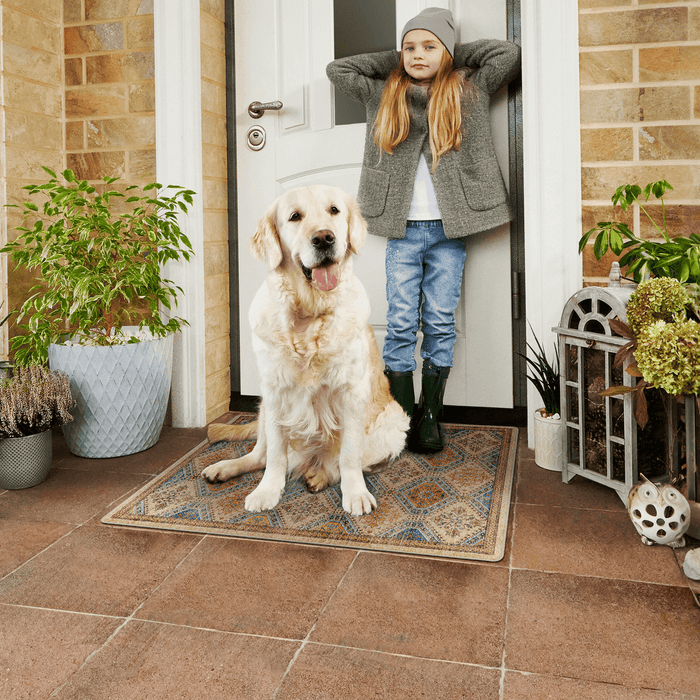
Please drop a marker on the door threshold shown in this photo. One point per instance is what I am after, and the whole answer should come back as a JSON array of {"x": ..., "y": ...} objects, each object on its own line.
[{"x": 464, "y": 415}]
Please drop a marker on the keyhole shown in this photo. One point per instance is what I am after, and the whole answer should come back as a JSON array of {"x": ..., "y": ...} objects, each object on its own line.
[{"x": 256, "y": 138}]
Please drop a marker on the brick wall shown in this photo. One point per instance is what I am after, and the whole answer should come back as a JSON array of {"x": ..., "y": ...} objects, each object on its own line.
[
  {"x": 640, "y": 111},
  {"x": 31, "y": 115},
  {"x": 110, "y": 89},
  {"x": 217, "y": 312}
]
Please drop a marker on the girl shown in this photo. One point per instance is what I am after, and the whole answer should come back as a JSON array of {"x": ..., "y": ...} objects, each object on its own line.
[{"x": 429, "y": 179}]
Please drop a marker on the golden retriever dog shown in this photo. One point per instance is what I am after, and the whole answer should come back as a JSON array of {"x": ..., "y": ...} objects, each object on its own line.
[{"x": 326, "y": 412}]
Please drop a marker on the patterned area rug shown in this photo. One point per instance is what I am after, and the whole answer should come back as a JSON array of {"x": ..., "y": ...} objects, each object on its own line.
[{"x": 452, "y": 504}]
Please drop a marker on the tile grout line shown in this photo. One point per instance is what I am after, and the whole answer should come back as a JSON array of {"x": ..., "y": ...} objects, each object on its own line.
[
  {"x": 502, "y": 680},
  {"x": 313, "y": 627},
  {"x": 49, "y": 546},
  {"x": 125, "y": 622}
]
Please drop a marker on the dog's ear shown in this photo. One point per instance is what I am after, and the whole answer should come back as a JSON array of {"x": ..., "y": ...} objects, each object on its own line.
[
  {"x": 357, "y": 226},
  {"x": 265, "y": 244}
]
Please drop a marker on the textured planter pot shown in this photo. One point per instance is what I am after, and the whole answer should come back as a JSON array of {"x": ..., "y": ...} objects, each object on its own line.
[
  {"x": 549, "y": 442},
  {"x": 121, "y": 392},
  {"x": 25, "y": 461}
]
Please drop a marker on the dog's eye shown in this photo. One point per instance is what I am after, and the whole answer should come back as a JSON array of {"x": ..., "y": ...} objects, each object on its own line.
[
  {"x": 334, "y": 210},
  {"x": 296, "y": 216}
]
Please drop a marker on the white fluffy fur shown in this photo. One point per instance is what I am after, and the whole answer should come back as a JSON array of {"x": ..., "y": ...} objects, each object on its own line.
[{"x": 326, "y": 410}]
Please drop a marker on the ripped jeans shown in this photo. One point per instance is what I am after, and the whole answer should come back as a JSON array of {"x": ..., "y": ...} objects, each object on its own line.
[{"x": 423, "y": 285}]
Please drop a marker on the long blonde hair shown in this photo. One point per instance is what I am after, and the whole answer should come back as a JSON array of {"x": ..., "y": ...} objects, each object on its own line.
[{"x": 445, "y": 98}]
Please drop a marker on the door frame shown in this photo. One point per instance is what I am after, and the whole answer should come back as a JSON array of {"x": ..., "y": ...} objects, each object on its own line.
[
  {"x": 551, "y": 197},
  {"x": 516, "y": 200}
]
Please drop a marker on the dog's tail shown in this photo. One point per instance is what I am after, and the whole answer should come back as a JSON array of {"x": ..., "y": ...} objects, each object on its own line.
[{"x": 223, "y": 431}]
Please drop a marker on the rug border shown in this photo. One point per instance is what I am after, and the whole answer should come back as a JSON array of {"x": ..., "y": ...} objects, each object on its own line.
[{"x": 500, "y": 535}]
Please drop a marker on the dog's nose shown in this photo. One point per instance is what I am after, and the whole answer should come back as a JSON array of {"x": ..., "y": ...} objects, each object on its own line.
[{"x": 323, "y": 239}]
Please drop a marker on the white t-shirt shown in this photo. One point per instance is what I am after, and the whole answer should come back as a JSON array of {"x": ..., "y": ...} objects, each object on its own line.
[{"x": 424, "y": 206}]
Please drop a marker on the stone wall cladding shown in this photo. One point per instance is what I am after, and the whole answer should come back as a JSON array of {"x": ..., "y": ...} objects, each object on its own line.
[
  {"x": 214, "y": 163},
  {"x": 640, "y": 112},
  {"x": 31, "y": 116},
  {"x": 110, "y": 89}
]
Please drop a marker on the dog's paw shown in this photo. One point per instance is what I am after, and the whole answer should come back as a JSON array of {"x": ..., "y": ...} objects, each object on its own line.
[
  {"x": 316, "y": 481},
  {"x": 265, "y": 498},
  {"x": 221, "y": 471},
  {"x": 359, "y": 503}
]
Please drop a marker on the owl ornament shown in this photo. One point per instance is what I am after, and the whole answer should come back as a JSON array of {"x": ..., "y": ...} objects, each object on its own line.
[{"x": 660, "y": 513}]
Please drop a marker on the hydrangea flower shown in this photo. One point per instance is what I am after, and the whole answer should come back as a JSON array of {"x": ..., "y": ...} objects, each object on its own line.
[
  {"x": 668, "y": 356},
  {"x": 657, "y": 299}
]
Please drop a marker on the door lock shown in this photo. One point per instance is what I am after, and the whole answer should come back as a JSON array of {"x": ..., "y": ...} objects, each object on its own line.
[{"x": 256, "y": 138}]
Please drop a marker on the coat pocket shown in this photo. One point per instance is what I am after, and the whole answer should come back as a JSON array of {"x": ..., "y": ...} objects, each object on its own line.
[
  {"x": 483, "y": 186},
  {"x": 373, "y": 190}
]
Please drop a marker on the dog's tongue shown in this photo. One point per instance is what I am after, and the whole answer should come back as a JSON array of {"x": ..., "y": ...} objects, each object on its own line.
[{"x": 325, "y": 278}]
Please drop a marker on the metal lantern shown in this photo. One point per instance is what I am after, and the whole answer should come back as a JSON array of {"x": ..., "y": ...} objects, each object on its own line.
[{"x": 603, "y": 441}]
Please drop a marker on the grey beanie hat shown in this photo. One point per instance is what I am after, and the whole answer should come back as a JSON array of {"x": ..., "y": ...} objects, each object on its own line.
[{"x": 437, "y": 21}]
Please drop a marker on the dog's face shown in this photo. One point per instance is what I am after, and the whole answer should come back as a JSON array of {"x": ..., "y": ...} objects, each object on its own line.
[{"x": 311, "y": 231}]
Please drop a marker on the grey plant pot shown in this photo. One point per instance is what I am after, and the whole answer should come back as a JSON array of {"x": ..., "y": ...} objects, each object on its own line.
[
  {"x": 25, "y": 461},
  {"x": 121, "y": 394}
]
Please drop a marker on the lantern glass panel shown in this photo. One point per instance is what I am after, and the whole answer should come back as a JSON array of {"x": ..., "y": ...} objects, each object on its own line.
[
  {"x": 617, "y": 417},
  {"x": 572, "y": 403},
  {"x": 572, "y": 442},
  {"x": 618, "y": 461},
  {"x": 571, "y": 363},
  {"x": 652, "y": 440},
  {"x": 594, "y": 407}
]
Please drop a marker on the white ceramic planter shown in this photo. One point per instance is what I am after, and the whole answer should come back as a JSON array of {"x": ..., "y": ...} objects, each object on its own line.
[
  {"x": 25, "y": 461},
  {"x": 121, "y": 394},
  {"x": 549, "y": 442}
]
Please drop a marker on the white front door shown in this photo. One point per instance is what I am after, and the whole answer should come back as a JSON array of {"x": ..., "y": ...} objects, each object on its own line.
[{"x": 282, "y": 49}]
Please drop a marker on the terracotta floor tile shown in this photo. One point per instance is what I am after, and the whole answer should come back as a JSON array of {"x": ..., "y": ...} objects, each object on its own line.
[
  {"x": 171, "y": 446},
  {"x": 147, "y": 661},
  {"x": 322, "y": 672},
  {"x": 68, "y": 496},
  {"x": 238, "y": 585},
  {"x": 97, "y": 569},
  {"x": 420, "y": 607},
  {"x": 519, "y": 686},
  {"x": 588, "y": 542},
  {"x": 41, "y": 649},
  {"x": 594, "y": 629},
  {"x": 542, "y": 487},
  {"x": 21, "y": 540}
]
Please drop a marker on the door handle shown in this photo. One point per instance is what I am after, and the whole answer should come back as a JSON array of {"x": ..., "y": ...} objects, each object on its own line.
[{"x": 257, "y": 109}]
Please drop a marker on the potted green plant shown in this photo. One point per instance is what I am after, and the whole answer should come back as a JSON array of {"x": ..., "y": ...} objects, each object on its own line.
[
  {"x": 678, "y": 257},
  {"x": 96, "y": 311},
  {"x": 32, "y": 402},
  {"x": 549, "y": 430}
]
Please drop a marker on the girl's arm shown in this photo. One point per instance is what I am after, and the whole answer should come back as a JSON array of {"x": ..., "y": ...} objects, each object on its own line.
[
  {"x": 362, "y": 76},
  {"x": 494, "y": 63}
]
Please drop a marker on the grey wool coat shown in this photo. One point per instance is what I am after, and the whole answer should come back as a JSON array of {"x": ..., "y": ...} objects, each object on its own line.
[{"x": 468, "y": 183}]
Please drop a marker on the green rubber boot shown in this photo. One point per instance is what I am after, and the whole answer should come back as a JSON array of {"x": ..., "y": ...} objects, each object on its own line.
[
  {"x": 401, "y": 387},
  {"x": 426, "y": 432}
]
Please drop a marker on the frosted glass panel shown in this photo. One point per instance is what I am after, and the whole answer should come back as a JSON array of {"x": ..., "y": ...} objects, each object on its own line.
[{"x": 360, "y": 26}]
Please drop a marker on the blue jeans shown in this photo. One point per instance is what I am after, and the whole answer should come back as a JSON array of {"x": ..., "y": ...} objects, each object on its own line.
[{"x": 424, "y": 264}]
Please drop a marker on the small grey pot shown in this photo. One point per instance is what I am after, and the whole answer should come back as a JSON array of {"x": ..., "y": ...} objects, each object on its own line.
[{"x": 25, "y": 461}]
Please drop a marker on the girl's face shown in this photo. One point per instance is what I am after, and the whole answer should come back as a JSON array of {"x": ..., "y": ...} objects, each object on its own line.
[{"x": 422, "y": 54}]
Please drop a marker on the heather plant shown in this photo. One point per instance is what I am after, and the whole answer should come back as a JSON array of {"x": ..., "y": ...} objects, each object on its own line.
[
  {"x": 33, "y": 400},
  {"x": 99, "y": 259}
]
